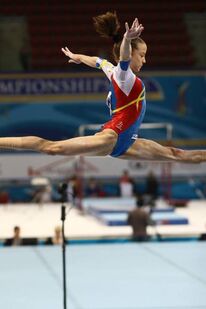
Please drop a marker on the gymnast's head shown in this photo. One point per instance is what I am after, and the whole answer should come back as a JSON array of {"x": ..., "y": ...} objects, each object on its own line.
[{"x": 108, "y": 26}]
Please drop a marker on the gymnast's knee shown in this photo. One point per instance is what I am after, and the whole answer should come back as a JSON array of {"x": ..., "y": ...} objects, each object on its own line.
[
  {"x": 186, "y": 156},
  {"x": 51, "y": 148},
  {"x": 177, "y": 153}
]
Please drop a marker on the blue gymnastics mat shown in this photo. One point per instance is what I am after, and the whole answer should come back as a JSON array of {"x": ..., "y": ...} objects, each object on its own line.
[
  {"x": 119, "y": 205},
  {"x": 114, "y": 209},
  {"x": 120, "y": 219},
  {"x": 110, "y": 276}
]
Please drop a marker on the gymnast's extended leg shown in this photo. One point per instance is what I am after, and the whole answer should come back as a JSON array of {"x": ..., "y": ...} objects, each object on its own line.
[
  {"x": 100, "y": 144},
  {"x": 148, "y": 150}
]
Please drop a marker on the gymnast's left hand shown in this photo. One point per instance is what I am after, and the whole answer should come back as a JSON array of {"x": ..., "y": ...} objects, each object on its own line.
[{"x": 135, "y": 30}]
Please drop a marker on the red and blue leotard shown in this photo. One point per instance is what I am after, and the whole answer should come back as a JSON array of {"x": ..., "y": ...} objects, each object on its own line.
[{"x": 127, "y": 104}]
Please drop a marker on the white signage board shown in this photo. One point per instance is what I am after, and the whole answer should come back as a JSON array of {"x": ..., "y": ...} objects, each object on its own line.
[{"x": 21, "y": 166}]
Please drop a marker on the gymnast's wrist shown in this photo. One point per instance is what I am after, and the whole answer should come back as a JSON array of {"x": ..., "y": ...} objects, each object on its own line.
[{"x": 127, "y": 39}]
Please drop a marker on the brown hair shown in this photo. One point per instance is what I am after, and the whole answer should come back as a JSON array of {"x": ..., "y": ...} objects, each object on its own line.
[{"x": 108, "y": 26}]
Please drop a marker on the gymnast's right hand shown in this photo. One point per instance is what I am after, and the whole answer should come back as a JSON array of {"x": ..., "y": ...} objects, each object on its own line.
[{"x": 74, "y": 58}]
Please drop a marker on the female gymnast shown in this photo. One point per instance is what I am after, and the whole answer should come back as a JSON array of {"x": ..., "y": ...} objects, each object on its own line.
[{"x": 126, "y": 101}]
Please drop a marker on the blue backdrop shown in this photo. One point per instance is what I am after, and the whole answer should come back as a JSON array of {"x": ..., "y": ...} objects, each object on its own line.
[{"x": 55, "y": 105}]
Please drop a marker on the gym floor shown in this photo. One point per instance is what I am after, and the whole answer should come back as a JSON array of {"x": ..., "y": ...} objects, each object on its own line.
[{"x": 167, "y": 275}]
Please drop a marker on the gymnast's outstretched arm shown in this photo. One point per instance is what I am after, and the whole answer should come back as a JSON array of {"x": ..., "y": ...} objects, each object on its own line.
[
  {"x": 80, "y": 58},
  {"x": 130, "y": 34}
]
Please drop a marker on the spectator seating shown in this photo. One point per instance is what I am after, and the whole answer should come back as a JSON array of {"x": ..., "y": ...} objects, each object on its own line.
[{"x": 54, "y": 24}]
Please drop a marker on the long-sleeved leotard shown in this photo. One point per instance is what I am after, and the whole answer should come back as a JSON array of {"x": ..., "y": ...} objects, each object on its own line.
[{"x": 126, "y": 101}]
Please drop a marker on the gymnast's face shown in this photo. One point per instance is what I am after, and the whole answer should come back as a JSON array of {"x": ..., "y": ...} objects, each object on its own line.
[{"x": 138, "y": 57}]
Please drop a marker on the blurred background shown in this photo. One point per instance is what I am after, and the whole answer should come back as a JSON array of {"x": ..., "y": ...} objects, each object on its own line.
[{"x": 41, "y": 94}]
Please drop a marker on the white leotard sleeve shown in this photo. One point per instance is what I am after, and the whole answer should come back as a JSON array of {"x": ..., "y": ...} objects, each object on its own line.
[
  {"x": 124, "y": 76},
  {"x": 122, "y": 73}
]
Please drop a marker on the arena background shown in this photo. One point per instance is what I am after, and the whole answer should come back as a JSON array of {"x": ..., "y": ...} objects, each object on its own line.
[{"x": 41, "y": 94}]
